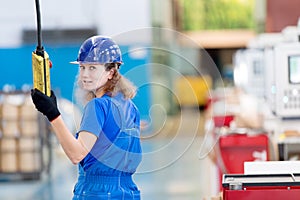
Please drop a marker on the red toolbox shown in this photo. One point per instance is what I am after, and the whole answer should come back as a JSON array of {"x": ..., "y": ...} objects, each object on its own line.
[
  {"x": 235, "y": 149},
  {"x": 266, "y": 187}
]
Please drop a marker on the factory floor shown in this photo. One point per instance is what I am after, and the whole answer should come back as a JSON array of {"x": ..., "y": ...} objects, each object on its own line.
[{"x": 173, "y": 167}]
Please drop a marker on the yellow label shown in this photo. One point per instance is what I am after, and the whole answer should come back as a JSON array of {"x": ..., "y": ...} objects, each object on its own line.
[{"x": 41, "y": 73}]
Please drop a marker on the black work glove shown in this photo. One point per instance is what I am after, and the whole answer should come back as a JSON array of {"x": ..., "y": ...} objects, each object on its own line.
[{"x": 44, "y": 104}]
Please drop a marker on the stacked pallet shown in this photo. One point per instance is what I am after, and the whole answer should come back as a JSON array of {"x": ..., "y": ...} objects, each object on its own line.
[{"x": 20, "y": 135}]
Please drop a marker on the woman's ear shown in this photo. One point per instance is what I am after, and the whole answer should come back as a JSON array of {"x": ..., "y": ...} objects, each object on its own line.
[{"x": 111, "y": 73}]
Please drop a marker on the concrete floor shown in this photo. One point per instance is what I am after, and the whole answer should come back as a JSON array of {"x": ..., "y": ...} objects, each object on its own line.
[{"x": 171, "y": 168}]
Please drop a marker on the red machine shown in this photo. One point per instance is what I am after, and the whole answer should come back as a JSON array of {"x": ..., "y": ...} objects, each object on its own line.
[
  {"x": 235, "y": 148},
  {"x": 269, "y": 186}
]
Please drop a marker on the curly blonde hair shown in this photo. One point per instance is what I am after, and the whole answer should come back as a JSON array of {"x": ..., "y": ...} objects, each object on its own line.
[{"x": 117, "y": 84}]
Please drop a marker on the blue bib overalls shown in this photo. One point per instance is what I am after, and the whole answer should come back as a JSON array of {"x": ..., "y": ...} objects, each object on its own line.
[{"x": 106, "y": 172}]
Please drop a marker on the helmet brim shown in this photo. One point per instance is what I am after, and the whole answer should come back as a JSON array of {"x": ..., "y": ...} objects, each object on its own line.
[{"x": 74, "y": 62}]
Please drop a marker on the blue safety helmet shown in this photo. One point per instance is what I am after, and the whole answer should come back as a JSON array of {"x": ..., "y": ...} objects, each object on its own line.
[{"x": 99, "y": 50}]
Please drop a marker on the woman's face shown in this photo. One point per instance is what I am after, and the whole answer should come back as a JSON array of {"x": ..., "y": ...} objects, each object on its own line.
[{"x": 93, "y": 76}]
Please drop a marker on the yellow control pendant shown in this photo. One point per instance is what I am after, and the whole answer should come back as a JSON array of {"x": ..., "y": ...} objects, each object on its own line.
[{"x": 41, "y": 73}]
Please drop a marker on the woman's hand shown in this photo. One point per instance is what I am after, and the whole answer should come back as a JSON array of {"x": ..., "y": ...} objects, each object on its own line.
[{"x": 44, "y": 104}]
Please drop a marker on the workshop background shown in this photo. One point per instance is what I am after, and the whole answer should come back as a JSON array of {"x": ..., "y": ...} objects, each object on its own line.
[{"x": 218, "y": 85}]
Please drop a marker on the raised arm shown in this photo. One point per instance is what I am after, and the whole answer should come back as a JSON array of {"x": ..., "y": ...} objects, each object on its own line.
[{"x": 75, "y": 149}]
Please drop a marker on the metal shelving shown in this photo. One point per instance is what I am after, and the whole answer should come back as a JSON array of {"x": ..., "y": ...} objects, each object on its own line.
[{"x": 25, "y": 150}]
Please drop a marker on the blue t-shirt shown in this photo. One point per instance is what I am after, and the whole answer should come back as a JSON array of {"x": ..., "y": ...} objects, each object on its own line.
[{"x": 116, "y": 123}]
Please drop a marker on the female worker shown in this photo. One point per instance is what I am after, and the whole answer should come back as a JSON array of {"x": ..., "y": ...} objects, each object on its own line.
[{"x": 107, "y": 144}]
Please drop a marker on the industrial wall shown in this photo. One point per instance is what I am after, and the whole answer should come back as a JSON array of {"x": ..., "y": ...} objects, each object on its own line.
[
  {"x": 281, "y": 14},
  {"x": 65, "y": 25},
  {"x": 108, "y": 17}
]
